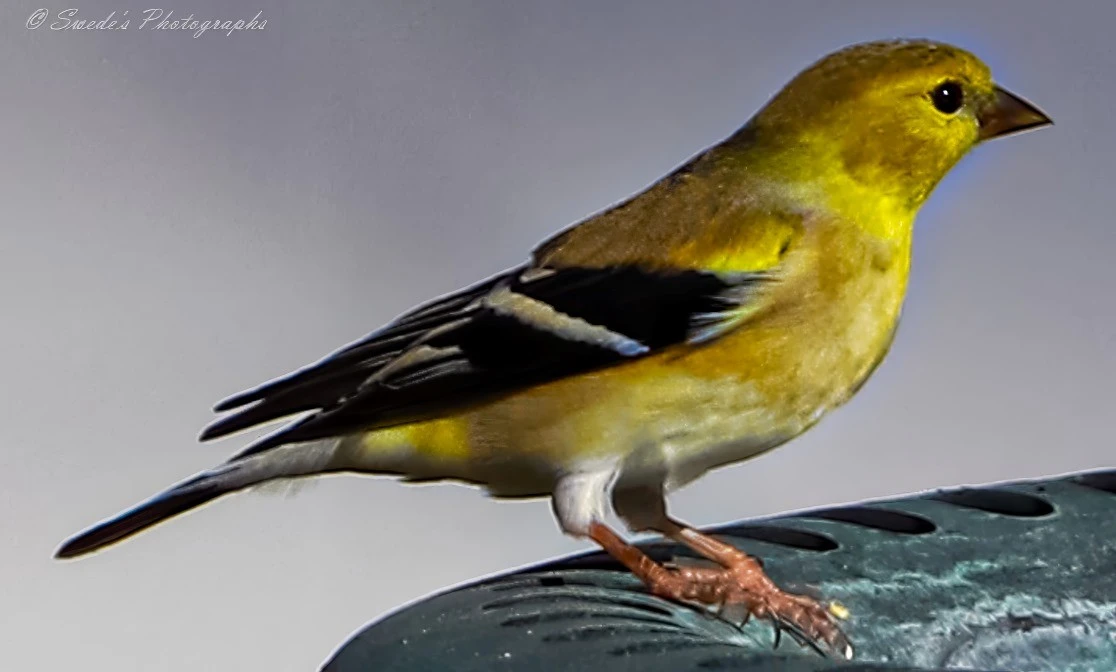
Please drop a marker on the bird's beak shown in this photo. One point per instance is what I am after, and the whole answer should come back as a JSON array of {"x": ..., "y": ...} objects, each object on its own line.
[{"x": 1007, "y": 113}]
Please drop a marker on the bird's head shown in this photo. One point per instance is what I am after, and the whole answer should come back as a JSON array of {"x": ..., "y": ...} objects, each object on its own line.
[{"x": 889, "y": 117}]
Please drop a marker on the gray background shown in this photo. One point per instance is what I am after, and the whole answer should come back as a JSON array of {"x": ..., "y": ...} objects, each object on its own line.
[{"x": 184, "y": 218}]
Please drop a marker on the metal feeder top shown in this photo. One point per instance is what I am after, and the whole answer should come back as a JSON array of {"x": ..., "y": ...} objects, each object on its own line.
[{"x": 1017, "y": 576}]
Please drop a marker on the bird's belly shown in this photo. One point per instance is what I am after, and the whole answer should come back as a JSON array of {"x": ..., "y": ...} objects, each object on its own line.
[
  {"x": 666, "y": 426},
  {"x": 666, "y": 422}
]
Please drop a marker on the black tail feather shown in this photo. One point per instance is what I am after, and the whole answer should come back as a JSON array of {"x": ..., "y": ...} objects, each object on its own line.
[
  {"x": 235, "y": 474},
  {"x": 186, "y": 496}
]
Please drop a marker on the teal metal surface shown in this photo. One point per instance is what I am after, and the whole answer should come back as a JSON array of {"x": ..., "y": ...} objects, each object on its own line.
[{"x": 1019, "y": 576}]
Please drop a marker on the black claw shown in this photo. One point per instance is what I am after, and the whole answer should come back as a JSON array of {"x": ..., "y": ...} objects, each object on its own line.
[
  {"x": 805, "y": 642},
  {"x": 817, "y": 648},
  {"x": 778, "y": 633},
  {"x": 800, "y": 637},
  {"x": 734, "y": 614}
]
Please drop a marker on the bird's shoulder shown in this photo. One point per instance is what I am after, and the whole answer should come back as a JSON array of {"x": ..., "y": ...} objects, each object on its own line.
[{"x": 712, "y": 213}]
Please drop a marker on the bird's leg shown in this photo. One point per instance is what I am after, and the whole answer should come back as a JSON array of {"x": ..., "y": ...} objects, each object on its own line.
[
  {"x": 739, "y": 582},
  {"x": 683, "y": 584}
]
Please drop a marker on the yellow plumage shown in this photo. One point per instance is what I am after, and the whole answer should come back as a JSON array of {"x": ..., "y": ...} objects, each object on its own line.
[
  {"x": 692, "y": 401},
  {"x": 716, "y": 315}
]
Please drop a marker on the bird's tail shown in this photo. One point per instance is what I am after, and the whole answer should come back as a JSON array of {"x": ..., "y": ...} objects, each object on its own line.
[{"x": 237, "y": 474}]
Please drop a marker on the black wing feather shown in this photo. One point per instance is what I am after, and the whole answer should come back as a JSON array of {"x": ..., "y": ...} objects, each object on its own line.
[
  {"x": 386, "y": 342},
  {"x": 468, "y": 347}
]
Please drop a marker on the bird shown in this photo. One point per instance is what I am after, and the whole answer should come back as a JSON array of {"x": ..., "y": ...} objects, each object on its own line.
[{"x": 715, "y": 315}]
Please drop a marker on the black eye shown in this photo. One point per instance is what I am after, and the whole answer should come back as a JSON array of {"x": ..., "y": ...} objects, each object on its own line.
[{"x": 947, "y": 97}]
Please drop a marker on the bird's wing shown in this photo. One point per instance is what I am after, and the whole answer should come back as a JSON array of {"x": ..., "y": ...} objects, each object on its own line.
[{"x": 522, "y": 328}]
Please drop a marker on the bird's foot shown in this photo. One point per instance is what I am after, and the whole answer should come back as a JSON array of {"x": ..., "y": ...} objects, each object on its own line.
[
  {"x": 739, "y": 585},
  {"x": 743, "y": 589}
]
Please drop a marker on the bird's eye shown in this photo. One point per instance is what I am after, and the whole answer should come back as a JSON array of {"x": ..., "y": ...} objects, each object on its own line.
[{"x": 947, "y": 97}]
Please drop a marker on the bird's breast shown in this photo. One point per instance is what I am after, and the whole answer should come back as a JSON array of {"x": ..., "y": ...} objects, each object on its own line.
[{"x": 774, "y": 379}]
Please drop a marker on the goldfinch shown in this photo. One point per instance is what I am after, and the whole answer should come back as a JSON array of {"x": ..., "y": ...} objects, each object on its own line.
[{"x": 714, "y": 316}]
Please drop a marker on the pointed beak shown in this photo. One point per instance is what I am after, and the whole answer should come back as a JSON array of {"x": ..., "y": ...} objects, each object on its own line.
[{"x": 1007, "y": 113}]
